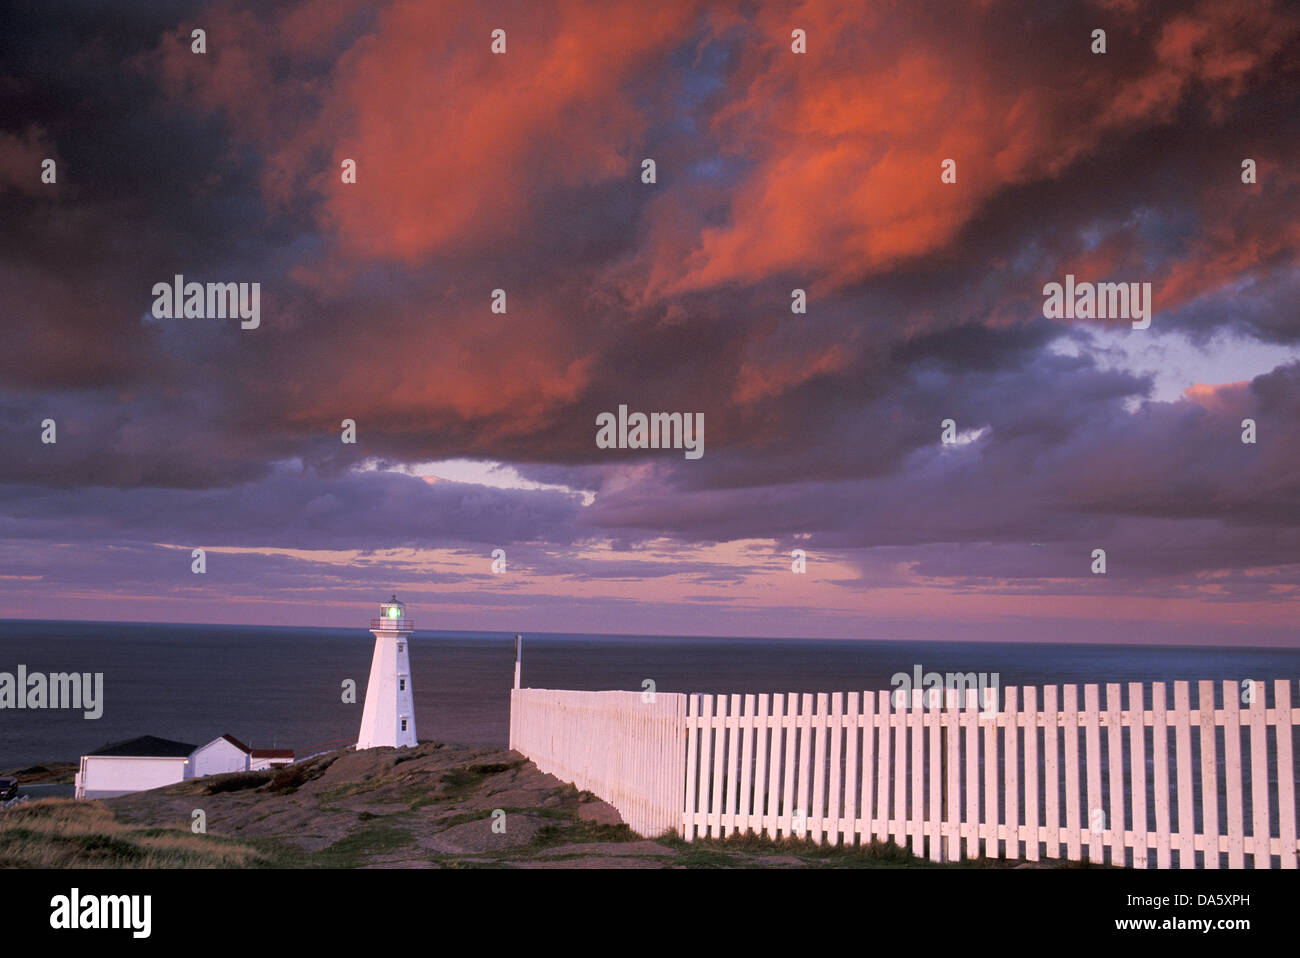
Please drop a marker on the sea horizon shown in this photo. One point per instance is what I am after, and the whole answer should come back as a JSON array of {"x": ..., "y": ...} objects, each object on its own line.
[
  {"x": 282, "y": 686},
  {"x": 700, "y": 636}
]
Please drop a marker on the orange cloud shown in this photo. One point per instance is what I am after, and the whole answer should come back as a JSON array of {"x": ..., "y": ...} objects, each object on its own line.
[
  {"x": 1222, "y": 399},
  {"x": 508, "y": 377},
  {"x": 454, "y": 144},
  {"x": 845, "y": 142}
]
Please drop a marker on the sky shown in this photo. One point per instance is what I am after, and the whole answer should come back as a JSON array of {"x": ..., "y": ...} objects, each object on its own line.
[{"x": 774, "y": 171}]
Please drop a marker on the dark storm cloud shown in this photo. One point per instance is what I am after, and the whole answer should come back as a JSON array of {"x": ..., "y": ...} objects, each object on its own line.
[
  {"x": 293, "y": 509},
  {"x": 144, "y": 191},
  {"x": 1062, "y": 461}
]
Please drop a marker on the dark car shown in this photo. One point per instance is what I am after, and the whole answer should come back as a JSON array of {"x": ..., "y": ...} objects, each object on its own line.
[{"x": 8, "y": 788}]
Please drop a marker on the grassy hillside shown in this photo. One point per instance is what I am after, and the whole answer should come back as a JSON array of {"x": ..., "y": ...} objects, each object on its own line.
[{"x": 433, "y": 806}]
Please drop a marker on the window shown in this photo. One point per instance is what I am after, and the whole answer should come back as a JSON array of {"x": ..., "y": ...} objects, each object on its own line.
[
  {"x": 401, "y": 646},
  {"x": 401, "y": 685},
  {"x": 403, "y": 725}
]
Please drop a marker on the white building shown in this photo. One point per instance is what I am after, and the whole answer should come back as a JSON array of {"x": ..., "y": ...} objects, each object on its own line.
[
  {"x": 269, "y": 758},
  {"x": 151, "y": 762},
  {"x": 132, "y": 766},
  {"x": 225, "y": 754},
  {"x": 388, "y": 718}
]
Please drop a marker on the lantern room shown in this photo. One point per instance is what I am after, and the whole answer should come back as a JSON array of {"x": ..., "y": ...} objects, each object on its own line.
[{"x": 392, "y": 616}]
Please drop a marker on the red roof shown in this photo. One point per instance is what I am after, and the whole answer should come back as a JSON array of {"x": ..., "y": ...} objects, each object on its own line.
[
  {"x": 237, "y": 743},
  {"x": 272, "y": 753}
]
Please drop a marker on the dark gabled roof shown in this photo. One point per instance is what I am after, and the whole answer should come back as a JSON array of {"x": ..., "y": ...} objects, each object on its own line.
[
  {"x": 237, "y": 743},
  {"x": 147, "y": 746}
]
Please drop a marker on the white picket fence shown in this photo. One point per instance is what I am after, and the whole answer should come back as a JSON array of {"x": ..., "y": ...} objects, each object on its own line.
[
  {"x": 629, "y": 752},
  {"x": 1037, "y": 777}
]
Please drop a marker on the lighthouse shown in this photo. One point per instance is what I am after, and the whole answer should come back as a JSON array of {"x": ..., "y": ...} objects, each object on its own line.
[{"x": 388, "y": 718}]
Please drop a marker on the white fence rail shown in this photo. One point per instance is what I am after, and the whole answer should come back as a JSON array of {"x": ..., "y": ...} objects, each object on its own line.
[
  {"x": 1147, "y": 782},
  {"x": 630, "y": 752}
]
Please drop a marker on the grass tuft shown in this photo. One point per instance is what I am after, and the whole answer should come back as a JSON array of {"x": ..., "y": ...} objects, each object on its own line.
[
  {"x": 66, "y": 833},
  {"x": 289, "y": 779},
  {"x": 235, "y": 782}
]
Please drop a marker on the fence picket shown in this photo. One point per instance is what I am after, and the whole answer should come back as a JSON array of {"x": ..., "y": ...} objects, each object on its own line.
[
  {"x": 758, "y": 821},
  {"x": 867, "y": 768},
  {"x": 898, "y": 719},
  {"x": 952, "y": 732},
  {"x": 1259, "y": 829},
  {"x": 1011, "y": 776},
  {"x": 803, "y": 807},
  {"x": 731, "y": 729},
  {"x": 881, "y": 828},
  {"x": 1137, "y": 733},
  {"x": 774, "y": 771},
  {"x": 935, "y": 777},
  {"x": 1160, "y": 761},
  {"x": 835, "y": 726},
  {"x": 1092, "y": 746},
  {"x": 852, "y": 722},
  {"x": 1031, "y": 773},
  {"x": 709, "y": 785},
  {"x": 1286, "y": 812},
  {"x": 791, "y": 739},
  {"x": 915, "y": 718},
  {"x": 744, "y": 822},
  {"x": 1209, "y": 773},
  {"x": 1232, "y": 775},
  {"x": 991, "y": 817},
  {"x": 817, "y": 811},
  {"x": 1051, "y": 773},
  {"x": 1183, "y": 757},
  {"x": 970, "y": 718},
  {"x": 692, "y": 756},
  {"x": 1070, "y": 737},
  {"x": 1115, "y": 774}
]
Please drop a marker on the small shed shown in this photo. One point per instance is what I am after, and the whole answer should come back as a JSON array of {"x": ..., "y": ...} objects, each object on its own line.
[
  {"x": 269, "y": 758},
  {"x": 224, "y": 754}
]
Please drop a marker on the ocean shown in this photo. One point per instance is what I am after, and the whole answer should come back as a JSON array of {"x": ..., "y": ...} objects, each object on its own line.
[{"x": 275, "y": 687}]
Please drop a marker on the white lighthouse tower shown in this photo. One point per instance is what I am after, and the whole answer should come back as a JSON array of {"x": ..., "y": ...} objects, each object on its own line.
[{"x": 388, "y": 718}]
